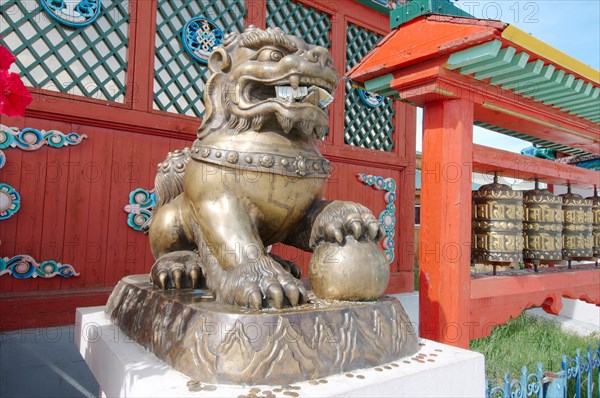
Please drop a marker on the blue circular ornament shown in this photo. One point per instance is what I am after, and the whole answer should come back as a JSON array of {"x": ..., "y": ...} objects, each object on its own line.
[
  {"x": 370, "y": 99},
  {"x": 73, "y": 13},
  {"x": 10, "y": 201},
  {"x": 200, "y": 36}
]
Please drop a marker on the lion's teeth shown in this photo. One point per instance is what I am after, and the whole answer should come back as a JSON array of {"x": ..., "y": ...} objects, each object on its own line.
[
  {"x": 287, "y": 92},
  {"x": 313, "y": 94}
]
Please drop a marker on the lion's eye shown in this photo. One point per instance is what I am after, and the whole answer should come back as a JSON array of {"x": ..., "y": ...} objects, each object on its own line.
[
  {"x": 276, "y": 55},
  {"x": 270, "y": 55}
]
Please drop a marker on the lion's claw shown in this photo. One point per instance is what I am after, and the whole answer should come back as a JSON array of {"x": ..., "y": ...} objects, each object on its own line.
[
  {"x": 195, "y": 274},
  {"x": 373, "y": 229},
  {"x": 266, "y": 284},
  {"x": 333, "y": 232},
  {"x": 340, "y": 219},
  {"x": 162, "y": 280},
  {"x": 293, "y": 294},
  {"x": 255, "y": 301},
  {"x": 177, "y": 270}
]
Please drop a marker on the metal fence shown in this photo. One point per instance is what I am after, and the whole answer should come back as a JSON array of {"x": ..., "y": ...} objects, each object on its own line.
[{"x": 579, "y": 377}]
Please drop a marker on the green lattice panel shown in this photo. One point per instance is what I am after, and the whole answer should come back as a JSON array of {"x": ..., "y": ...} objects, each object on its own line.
[
  {"x": 296, "y": 19},
  {"x": 364, "y": 126},
  {"x": 178, "y": 79},
  {"x": 89, "y": 61}
]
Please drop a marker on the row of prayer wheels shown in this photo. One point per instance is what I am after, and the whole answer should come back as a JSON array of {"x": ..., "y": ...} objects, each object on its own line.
[{"x": 533, "y": 226}]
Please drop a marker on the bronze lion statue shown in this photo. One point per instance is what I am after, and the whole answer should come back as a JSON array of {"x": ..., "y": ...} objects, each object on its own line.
[{"x": 253, "y": 177}]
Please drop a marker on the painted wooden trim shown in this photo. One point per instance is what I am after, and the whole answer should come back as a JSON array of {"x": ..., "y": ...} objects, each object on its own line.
[
  {"x": 46, "y": 308},
  {"x": 375, "y": 24},
  {"x": 330, "y": 8},
  {"x": 488, "y": 160},
  {"x": 387, "y": 218},
  {"x": 375, "y": 6},
  {"x": 83, "y": 112},
  {"x": 445, "y": 234},
  {"x": 515, "y": 70},
  {"x": 555, "y": 126},
  {"x": 542, "y": 49},
  {"x": 144, "y": 33},
  {"x": 364, "y": 156},
  {"x": 400, "y": 282},
  {"x": 417, "y": 41},
  {"x": 140, "y": 207},
  {"x": 31, "y": 139},
  {"x": 338, "y": 51},
  {"x": 24, "y": 266},
  {"x": 256, "y": 13},
  {"x": 496, "y": 299},
  {"x": 406, "y": 190},
  {"x": 420, "y": 84}
]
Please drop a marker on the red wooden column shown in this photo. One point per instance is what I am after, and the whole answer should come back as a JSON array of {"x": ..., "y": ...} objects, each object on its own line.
[{"x": 446, "y": 221}]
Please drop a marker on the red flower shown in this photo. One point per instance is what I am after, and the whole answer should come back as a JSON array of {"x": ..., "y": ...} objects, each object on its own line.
[
  {"x": 6, "y": 59},
  {"x": 14, "y": 96}
]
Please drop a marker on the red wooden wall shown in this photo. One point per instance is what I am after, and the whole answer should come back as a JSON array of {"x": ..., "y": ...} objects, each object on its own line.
[{"x": 72, "y": 198}]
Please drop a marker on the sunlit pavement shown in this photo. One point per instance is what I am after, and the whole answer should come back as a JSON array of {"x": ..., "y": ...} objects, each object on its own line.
[{"x": 43, "y": 363}]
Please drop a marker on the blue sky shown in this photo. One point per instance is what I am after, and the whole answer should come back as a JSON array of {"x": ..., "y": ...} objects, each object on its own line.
[{"x": 573, "y": 27}]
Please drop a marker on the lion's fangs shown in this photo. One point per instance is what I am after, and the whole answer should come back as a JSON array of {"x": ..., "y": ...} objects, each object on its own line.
[
  {"x": 289, "y": 93},
  {"x": 284, "y": 92}
]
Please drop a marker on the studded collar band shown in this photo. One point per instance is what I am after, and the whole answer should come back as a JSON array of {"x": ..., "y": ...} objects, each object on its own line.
[{"x": 298, "y": 166}]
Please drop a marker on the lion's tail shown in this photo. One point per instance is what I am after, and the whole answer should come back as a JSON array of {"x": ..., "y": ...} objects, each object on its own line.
[{"x": 169, "y": 180}]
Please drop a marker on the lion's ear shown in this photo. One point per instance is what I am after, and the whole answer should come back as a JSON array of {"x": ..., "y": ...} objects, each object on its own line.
[{"x": 219, "y": 61}]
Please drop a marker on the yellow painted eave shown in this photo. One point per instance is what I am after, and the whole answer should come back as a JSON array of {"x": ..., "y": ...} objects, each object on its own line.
[{"x": 538, "y": 47}]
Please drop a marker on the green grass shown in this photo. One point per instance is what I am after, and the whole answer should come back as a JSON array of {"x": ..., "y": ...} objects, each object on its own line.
[
  {"x": 416, "y": 275},
  {"x": 525, "y": 341}
]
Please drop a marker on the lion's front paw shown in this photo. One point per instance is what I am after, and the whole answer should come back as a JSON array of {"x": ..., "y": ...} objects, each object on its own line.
[
  {"x": 340, "y": 219},
  {"x": 177, "y": 270},
  {"x": 259, "y": 284}
]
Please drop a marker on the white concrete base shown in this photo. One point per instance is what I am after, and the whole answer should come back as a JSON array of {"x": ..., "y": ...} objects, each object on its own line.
[
  {"x": 123, "y": 368},
  {"x": 581, "y": 311},
  {"x": 576, "y": 316}
]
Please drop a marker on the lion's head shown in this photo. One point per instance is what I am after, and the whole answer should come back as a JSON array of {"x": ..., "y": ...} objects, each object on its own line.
[{"x": 266, "y": 80}]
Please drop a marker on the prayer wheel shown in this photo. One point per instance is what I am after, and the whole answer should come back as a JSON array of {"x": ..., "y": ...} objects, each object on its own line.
[
  {"x": 577, "y": 227},
  {"x": 497, "y": 225},
  {"x": 542, "y": 226},
  {"x": 595, "y": 225}
]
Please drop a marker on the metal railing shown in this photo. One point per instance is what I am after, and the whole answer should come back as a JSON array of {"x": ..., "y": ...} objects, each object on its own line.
[{"x": 579, "y": 377}]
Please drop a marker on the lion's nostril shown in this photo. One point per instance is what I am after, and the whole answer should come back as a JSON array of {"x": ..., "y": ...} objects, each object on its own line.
[
  {"x": 320, "y": 54},
  {"x": 313, "y": 56}
]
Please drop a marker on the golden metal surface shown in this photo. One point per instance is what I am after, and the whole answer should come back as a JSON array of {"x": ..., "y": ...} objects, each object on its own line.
[
  {"x": 218, "y": 343},
  {"x": 497, "y": 224},
  {"x": 577, "y": 226},
  {"x": 356, "y": 271},
  {"x": 542, "y": 225},
  {"x": 595, "y": 223},
  {"x": 255, "y": 177}
]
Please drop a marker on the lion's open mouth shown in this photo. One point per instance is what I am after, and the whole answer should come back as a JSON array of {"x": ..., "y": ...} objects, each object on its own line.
[{"x": 296, "y": 90}]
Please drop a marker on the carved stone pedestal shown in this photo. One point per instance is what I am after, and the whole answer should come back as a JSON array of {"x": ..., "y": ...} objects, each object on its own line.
[{"x": 222, "y": 344}]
